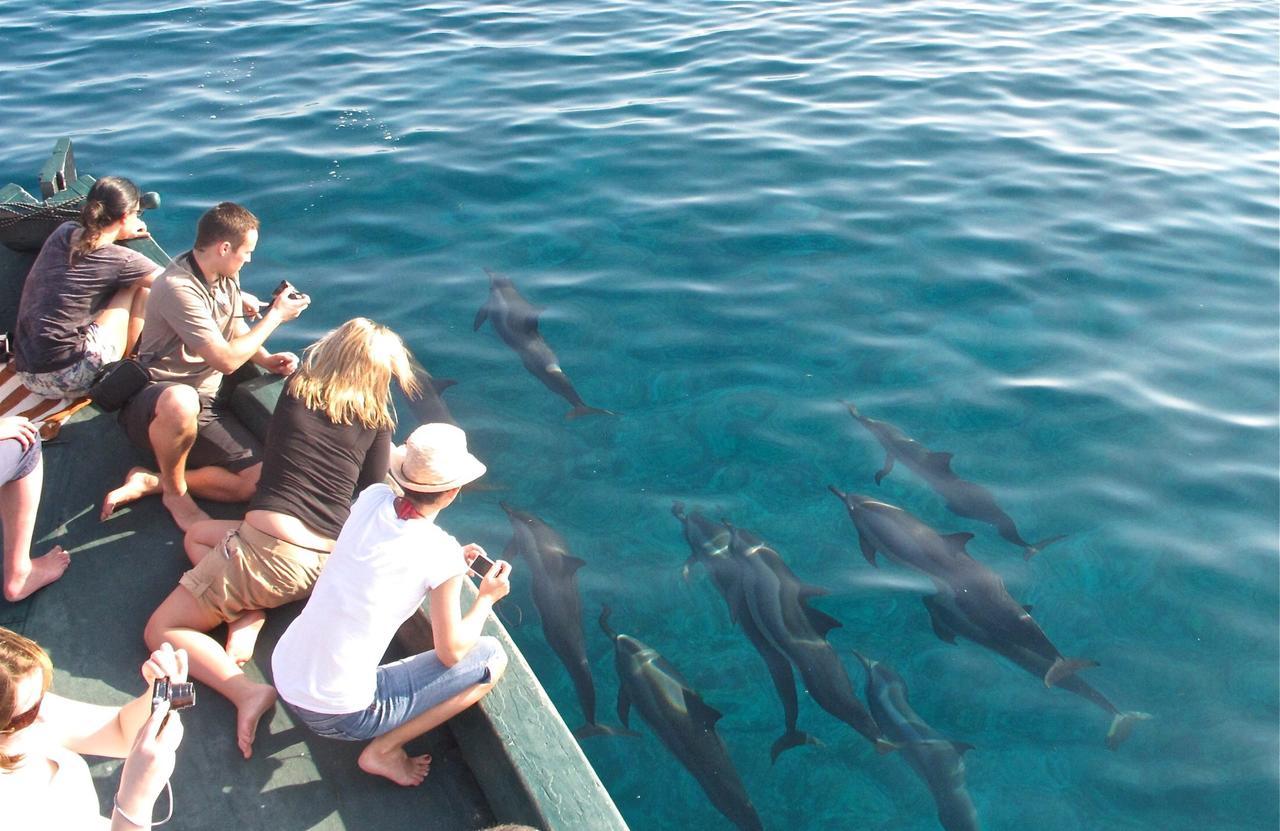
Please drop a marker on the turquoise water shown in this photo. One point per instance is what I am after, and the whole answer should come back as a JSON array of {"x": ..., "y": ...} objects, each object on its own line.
[{"x": 1041, "y": 236}]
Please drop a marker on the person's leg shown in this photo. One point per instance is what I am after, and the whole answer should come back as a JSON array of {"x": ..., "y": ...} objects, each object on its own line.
[
  {"x": 138, "y": 482},
  {"x": 183, "y": 621},
  {"x": 205, "y": 535},
  {"x": 172, "y": 433},
  {"x": 115, "y": 321},
  {"x": 222, "y": 485},
  {"x": 19, "y": 500},
  {"x": 137, "y": 317},
  {"x": 479, "y": 670}
]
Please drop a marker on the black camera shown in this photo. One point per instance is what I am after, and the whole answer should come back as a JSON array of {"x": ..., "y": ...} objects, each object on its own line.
[
  {"x": 179, "y": 694},
  {"x": 6, "y": 348},
  {"x": 285, "y": 285}
]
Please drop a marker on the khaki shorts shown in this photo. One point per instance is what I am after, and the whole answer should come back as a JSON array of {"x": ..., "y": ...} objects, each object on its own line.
[{"x": 252, "y": 570}]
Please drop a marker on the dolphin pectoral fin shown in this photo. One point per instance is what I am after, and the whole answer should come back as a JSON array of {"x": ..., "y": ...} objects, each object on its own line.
[
  {"x": 884, "y": 471},
  {"x": 700, "y": 712},
  {"x": 588, "y": 730},
  {"x": 939, "y": 462},
  {"x": 1036, "y": 547},
  {"x": 884, "y": 746},
  {"x": 790, "y": 739},
  {"x": 624, "y": 707},
  {"x": 511, "y": 550},
  {"x": 1121, "y": 726},
  {"x": 940, "y": 629},
  {"x": 584, "y": 410},
  {"x": 821, "y": 621},
  {"x": 868, "y": 550},
  {"x": 1064, "y": 667},
  {"x": 480, "y": 317}
]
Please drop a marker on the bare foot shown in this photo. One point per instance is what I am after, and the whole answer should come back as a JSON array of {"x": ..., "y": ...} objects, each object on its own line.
[
  {"x": 44, "y": 570},
  {"x": 242, "y": 634},
  {"x": 138, "y": 482},
  {"x": 249, "y": 711},
  {"x": 183, "y": 509},
  {"x": 395, "y": 765}
]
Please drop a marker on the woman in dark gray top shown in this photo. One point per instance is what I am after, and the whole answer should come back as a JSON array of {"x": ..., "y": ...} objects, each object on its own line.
[
  {"x": 329, "y": 437},
  {"x": 84, "y": 300}
]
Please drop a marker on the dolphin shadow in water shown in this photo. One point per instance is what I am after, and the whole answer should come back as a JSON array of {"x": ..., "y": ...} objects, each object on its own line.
[
  {"x": 935, "y": 759},
  {"x": 516, "y": 322},
  {"x": 777, "y": 603},
  {"x": 555, "y": 593},
  {"x": 683, "y": 721},
  {"x": 963, "y": 498},
  {"x": 709, "y": 543}
]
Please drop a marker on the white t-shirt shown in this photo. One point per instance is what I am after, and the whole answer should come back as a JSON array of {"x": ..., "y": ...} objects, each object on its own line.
[{"x": 379, "y": 572}]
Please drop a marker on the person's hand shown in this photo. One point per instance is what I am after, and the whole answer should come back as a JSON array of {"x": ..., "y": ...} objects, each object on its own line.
[
  {"x": 165, "y": 662},
  {"x": 250, "y": 305},
  {"x": 149, "y": 765},
  {"x": 138, "y": 230},
  {"x": 287, "y": 307},
  {"x": 281, "y": 363},
  {"x": 24, "y": 430},
  {"x": 497, "y": 583},
  {"x": 472, "y": 550}
]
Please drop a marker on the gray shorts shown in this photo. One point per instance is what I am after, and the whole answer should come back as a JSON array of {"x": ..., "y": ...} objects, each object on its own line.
[
  {"x": 221, "y": 440},
  {"x": 73, "y": 381}
]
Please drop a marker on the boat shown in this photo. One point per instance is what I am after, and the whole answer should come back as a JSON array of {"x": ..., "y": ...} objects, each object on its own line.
[{"x": 509, "y": 759}]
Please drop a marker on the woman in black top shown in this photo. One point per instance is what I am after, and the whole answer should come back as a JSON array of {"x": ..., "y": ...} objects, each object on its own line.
[{"x": 330, "y": 436}]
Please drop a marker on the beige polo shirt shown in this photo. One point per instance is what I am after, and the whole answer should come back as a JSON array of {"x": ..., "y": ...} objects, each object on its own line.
[{"x": 184, "y": 313}]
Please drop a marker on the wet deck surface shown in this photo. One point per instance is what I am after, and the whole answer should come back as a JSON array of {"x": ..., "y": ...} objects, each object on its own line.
[{"x": 91, "y": 622}]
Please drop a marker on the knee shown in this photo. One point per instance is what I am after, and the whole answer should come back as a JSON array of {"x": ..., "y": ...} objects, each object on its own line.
[
  {"x": 495, "y": 657},
  {"x": 154, "y": 632},
  {"x": 178, "y": 407}
]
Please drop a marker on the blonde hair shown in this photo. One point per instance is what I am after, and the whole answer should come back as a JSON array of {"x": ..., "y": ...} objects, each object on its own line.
[
  {"x": 19, "y": 657},
  {"x": 347, "y": 374}
]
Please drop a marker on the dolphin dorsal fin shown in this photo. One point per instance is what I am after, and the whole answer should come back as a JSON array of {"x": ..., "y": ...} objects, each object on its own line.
[
  {"x": 700, "y": 712},
  {"x": 940, "y": 462},
  {"x": 821, "y": 621},
  {"x": 956, "y": 541},
  {"x": 1028, "y": 608},
  {"x": 571, "y": 563},
  {"x": 962, "y": 747},
  {"x": 442, "y": 384}
]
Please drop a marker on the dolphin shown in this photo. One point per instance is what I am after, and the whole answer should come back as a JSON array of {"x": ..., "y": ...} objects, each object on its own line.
[
  {"x": 979, "y": 591},
  {"x": 555, "y": 593},
  {"x": 778, "y": 604},
  {"x": 963, "y": 497},
  {"x": 428, "y": 405},
  {"x": 935, "y": 759},
  {"x": 516, "y": 322},
  {"x": 709, "y": 543},
  {"x": 949, "y": 621},
  {"x": 887, "y": 529},
  {"x": 683, "y": 721}
]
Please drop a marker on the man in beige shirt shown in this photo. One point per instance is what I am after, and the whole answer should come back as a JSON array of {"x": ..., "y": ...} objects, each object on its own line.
[{"x": 194, "y": 334}]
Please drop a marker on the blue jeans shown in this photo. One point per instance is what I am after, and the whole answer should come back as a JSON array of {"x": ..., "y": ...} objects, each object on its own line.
[{"x": 406, "y": 689}]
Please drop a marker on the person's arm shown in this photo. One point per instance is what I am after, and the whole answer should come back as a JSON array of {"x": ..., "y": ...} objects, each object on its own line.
[
  {"x": 454, "y": 632},
  {"x": 146, "y": 771},
  {"x": 226, "y": 356},
  {"x": 377, "y": 460},
  {"x": 96, "y": 730}
]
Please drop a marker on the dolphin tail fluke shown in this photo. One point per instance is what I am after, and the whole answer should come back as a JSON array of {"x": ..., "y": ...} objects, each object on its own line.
[
  {"x": 790, "y": 739},
  {"x": 590, "y": 729},
  {"x": 605, "y": 612},
  {"x": 1122, "y": 725},
  {"x": 584, "y": 410},
  {"x": 1036, "y": 547},
  {"x": 1064, "y": 668}
]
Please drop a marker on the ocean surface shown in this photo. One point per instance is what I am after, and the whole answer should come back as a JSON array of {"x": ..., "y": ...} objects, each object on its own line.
[{"x": 1041, "y": 236}]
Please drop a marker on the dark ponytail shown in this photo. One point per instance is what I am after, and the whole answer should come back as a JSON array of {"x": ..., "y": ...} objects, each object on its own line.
[{"x": 110, "y": 198}]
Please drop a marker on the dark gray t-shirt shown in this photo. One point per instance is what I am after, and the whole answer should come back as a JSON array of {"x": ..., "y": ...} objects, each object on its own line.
[{"x": 60, "y": 300}]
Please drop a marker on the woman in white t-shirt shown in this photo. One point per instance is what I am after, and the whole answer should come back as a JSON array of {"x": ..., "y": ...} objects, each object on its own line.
[
  {"x": 389, "y": 556},
  {"x": 43, "y": 781}
]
